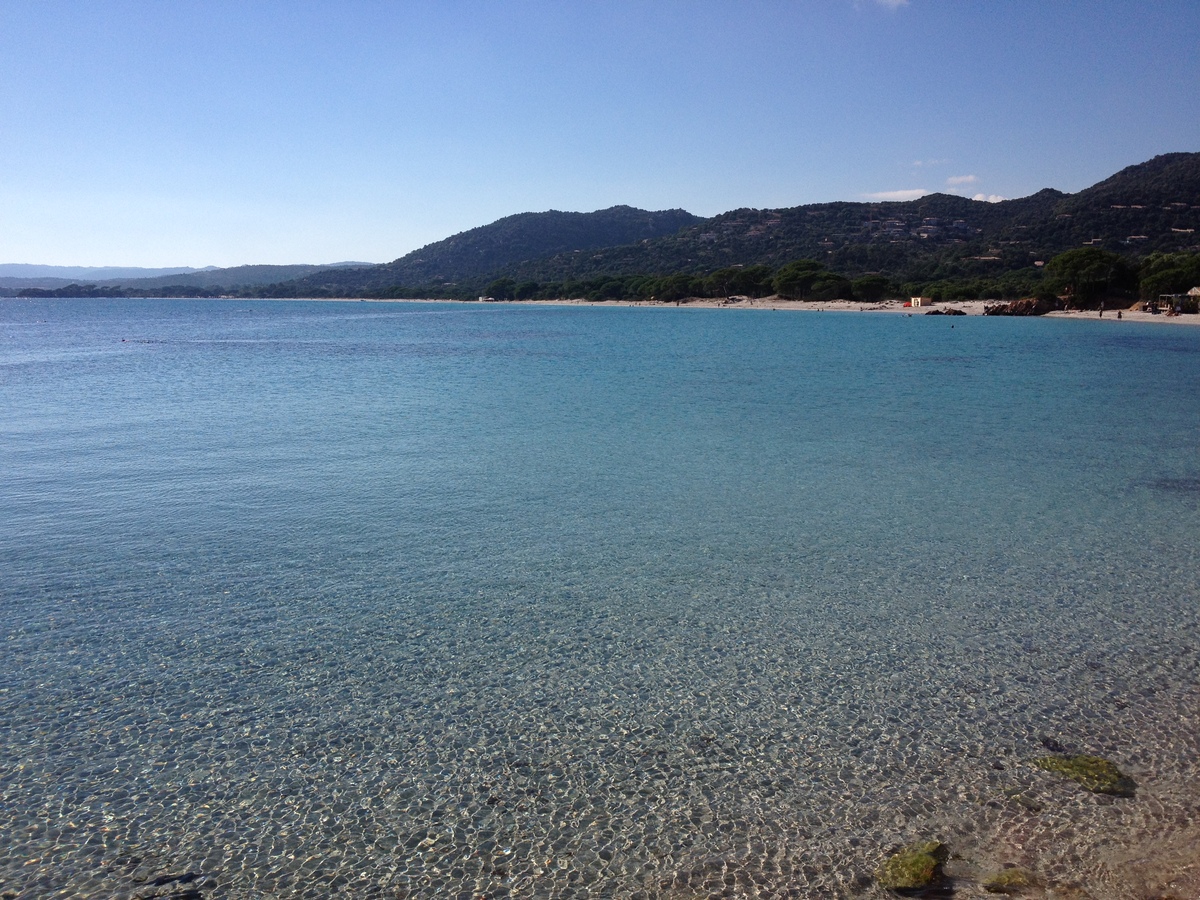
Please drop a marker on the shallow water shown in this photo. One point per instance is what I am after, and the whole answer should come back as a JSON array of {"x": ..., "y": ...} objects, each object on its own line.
[{"x": 441, "y": 600}]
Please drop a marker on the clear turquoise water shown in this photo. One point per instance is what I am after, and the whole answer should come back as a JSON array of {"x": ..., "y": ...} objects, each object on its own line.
[{"x": 441, "y": 600}]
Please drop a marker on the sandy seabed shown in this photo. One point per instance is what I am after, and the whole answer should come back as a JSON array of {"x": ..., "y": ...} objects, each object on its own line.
[{"x": 531, "y": 766}]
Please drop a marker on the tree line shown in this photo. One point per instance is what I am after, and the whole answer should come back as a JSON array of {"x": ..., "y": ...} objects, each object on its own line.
[{"x": 1082, "y": 277}]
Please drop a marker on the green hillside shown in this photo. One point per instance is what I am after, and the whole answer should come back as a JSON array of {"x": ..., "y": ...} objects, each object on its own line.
[
  {"x": 1152, "y": 207},
  {"x": 946, "y": 245},
  {"x": 509, "y": 243},
  {"x": 940, "y": 238}
]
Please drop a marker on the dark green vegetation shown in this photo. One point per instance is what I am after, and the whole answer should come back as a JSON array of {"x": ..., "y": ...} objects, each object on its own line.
[
  {"x": 1092, "y": 772},
  {"x": 914, "y": 868},
  {"x": 93, "y": 290},
  {"x": 1134, "y": 233},
  {"x": 510, "y": 244},
  {"x": 1010, "y": 881},
  {"x": 1169, "y": 273}
]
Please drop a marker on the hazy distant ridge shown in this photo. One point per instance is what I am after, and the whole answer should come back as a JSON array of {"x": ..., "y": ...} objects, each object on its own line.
[
  {"x": 22, "y": 275},
  {"x": 91, "y": 273}
]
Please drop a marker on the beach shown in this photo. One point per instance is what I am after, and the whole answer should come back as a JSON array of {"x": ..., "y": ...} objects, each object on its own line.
[
  {"x": 1127, "y": 315},
  {"x": 892, "y": 307}
]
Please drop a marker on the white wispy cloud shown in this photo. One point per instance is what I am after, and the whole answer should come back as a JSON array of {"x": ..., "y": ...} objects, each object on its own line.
[
  {"x": 962, "y": 179},
  {"x": 912, "y": 194},
  {"x": 886, "y": 4},
  {"x": 917, "y": 163},
  {"x": 989, "y": 198}
]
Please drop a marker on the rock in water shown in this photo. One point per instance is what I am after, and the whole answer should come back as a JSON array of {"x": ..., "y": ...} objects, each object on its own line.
[
  {"x": 914, "y": 868},
  {"x": 1093, "y": 772},
  {"x": 1010, "y": 881}
]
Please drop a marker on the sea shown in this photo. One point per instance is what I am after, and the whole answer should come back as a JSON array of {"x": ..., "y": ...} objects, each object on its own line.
[{"x": 416, "y": 600}]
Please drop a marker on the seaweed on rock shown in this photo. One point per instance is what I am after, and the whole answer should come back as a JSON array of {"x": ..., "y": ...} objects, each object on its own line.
[
  {"x": 915, "y": 868},
  {"x": 1095, "y": 773},
  {"x": 1013, "y": 880}
]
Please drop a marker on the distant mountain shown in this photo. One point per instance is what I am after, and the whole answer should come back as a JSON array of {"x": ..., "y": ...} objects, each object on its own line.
[
  {"x": 1148, "y": 207},
  {"x": 88, "y": 273},
  {"x": 236, "y": 276},
  {"x": 9, "y": 284},
  {"x": 1154, "y": 206},
  {"x": 511, "y": 241},
  {"x": 856, "y": 237},
  {"x": 18, "y": 276},
  {"x": 531, "y": 235}
]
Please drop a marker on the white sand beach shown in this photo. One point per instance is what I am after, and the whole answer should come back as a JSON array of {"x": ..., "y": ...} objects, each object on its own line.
[
  {"x": 969, "y": 307},
  {"x": 1127, "y": 315},
  {"x": 894, "y": 307}
]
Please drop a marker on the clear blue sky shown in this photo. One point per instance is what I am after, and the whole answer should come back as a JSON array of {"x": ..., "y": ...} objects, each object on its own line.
[{"x": 170, "y": 132}]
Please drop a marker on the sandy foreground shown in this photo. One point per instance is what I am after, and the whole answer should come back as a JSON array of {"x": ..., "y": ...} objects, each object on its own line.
[{"x": 970, "y": 307}]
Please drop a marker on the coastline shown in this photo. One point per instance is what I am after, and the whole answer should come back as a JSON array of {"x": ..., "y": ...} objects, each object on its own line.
[
  {"x": 773, "y": 304},
  {"x": 893, "y": 307},
  {"x": 1127, "y": 315}
]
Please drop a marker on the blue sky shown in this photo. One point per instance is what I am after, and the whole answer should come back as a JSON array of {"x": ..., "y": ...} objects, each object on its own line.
[{"x": 212, "y": 133}]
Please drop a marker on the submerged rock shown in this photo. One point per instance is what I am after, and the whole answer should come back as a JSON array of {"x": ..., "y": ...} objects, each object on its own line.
[
  {"x": 1023, "y": 800},
  {"x": 1095, "y": 773},
  {"x": 914, "y": 868},
  {"x": 1010, "y": 881}
]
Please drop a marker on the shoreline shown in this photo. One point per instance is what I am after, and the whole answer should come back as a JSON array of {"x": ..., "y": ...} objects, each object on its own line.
[
  {"x": 774, "y": 304},
  {"x": 1127, "y": 315},
  {"x": 893, "y": 307}
]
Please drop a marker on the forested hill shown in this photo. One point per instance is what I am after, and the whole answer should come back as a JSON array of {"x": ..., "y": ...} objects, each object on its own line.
[
  {"x": 1153, "y": 206},
  {"x": 512, "y": 241},
  {"x": 852, "y": 237},
  {"x": 940, "y": 239},
  {"x": 1166, "y": 180}
]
